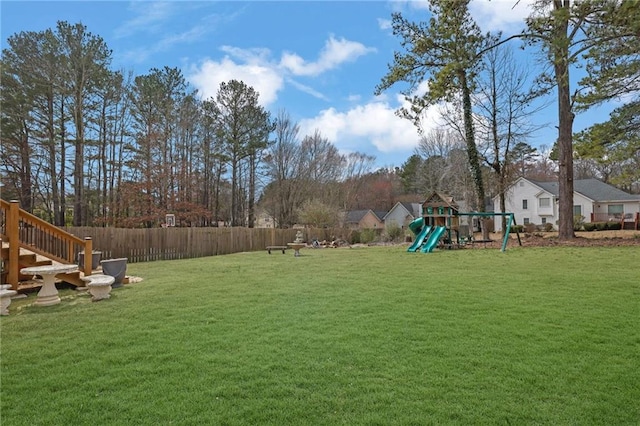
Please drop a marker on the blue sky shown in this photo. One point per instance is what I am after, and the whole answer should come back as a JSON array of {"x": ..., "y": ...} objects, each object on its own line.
[{"x": 320, "y": 61}]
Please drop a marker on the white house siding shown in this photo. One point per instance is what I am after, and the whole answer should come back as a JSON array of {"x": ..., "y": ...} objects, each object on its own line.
[
  {"x": 535, "y": 213},
  {"x": 514, "y": 204},
  {"x": 397, "y": 217},
  {"x": 400, "y": 216},
  {"x": 586, "y": 206},
  {"x": 526, "y": 190}
]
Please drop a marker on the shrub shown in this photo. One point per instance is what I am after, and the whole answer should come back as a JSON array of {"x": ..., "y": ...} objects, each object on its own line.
[
  {"x": 548, "y": 227},
  {"x": 368, "y": 235},
  {"x": 578, "y": 222},
  {"x": 355, "y": 237},
  {"x": 393, "y": 233},
  {"x": 614, "y": 226},
  {"x": 601, "y": 226},
  {"x": 530, "y": 227},
  {"x": 517, "y": 228},
  {"x": 589, "y": 226}
]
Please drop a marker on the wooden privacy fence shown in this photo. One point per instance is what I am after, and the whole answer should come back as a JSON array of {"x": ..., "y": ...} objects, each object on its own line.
[{"x": 145, "y": 245}]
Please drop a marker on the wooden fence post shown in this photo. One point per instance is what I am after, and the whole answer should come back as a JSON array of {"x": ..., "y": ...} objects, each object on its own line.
[
  {"x": 13, "y": 238},
  {"x": 88, "y": 256}
]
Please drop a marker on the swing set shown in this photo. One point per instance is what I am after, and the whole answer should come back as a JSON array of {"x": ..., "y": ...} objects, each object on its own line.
[{"x": 511, "y": 221}]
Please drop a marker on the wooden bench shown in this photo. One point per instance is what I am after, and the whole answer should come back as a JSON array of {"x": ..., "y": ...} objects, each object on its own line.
[
  {"x": 283, "y": 248},
  {"x": 484, "y": 242}
]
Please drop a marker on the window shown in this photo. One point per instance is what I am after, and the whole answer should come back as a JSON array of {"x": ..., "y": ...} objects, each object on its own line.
[
  {"x": 615, "y": 210},
  {"x": 525, "y": 221},
  {"x": 577, "y": 210},
  {"x": 544, "y": 220},
  {"x": 525, "y": 204},
  {"x": 544, "y": 202}
]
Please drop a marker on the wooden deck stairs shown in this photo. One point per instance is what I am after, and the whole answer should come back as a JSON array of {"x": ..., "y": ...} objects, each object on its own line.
[{"x": 28, "y": 240}]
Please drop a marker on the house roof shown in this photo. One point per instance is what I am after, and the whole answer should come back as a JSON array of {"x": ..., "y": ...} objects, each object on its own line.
[
  {"x": 355, "y": 216},
  {"x": 380, "y": 214},
  {"x": 412, "y": 208},
  {"x": 593, "y": 189}
]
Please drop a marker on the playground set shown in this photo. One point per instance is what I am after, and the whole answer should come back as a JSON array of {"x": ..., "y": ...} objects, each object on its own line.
[{"x": 441, "y": 220}]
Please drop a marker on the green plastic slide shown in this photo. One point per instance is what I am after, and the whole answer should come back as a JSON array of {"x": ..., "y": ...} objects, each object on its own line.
[
  {"x": 433, "y": 239},
  {"x": 420, "y": 237}
]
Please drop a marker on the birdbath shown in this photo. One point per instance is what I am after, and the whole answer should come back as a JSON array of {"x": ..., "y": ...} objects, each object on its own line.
[{"x": 297, "y": 244}]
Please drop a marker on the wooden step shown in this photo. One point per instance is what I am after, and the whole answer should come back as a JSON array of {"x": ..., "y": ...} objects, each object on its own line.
[
  {"x": 73, "y": 278},
  {"x": 26, "y": 259},
  {"x": 29, "y": 286}
]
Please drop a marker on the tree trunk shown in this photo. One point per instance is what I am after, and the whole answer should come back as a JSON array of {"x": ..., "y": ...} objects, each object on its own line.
[
  {"x": 252, "y": 190},
  {"x": 565, "y": 128},
  {"x": 60, "y": 179},
  {"x": 472, "y": 149},
  {"x": 26, "y": 185},
  {"x": 78, "y": 166},
  {"x": 234, "y": 191}
]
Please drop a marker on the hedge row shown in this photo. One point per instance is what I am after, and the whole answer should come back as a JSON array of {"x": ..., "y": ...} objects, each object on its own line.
[{"x": 602, "y": 226}]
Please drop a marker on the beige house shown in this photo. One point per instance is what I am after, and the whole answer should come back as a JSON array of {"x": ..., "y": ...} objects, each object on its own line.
[
  {"x": 264, "y": 220},
  {"x": 359, "y": 219}
]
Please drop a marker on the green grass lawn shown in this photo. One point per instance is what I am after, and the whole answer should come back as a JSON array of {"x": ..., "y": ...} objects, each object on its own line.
[{"x": 361, "y": 336}]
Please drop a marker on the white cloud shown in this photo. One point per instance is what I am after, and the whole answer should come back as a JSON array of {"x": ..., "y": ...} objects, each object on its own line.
[
  {"x": 414, "y": 4},
  {"x": 306, "y": 89},
  {"x": 256, "y": 55},
  {"x": 372, "y": 124},
  {"x": 150, "y": 16},
  {"x": 255, "y": 68},
  {"x": 491, "y": 15},
  {"x": 335, "y": 52},
  {"x": 190, "y": 35},
  {"x": 264, "y": 79},
  {"x": 142, "y": 53},
  {"x": 384, "y": 24},
  {"x": 161, "y": 20},
  {"x": 500, "y": 15}
]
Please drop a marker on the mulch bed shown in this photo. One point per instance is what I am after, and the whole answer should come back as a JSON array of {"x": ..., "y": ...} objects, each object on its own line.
[{"x": 537, "y": 241}]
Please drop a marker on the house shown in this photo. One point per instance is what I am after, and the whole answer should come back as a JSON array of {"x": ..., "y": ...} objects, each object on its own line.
[
  {"x": 534, "y": 202},
  {"x": 401, "y": 214},
  {"x": 264, "y": 220},
  {"x": 358, "y": 219}
]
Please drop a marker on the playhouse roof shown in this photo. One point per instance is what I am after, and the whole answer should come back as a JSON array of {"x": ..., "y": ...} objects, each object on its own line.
[{"x": 437, "y": 199}]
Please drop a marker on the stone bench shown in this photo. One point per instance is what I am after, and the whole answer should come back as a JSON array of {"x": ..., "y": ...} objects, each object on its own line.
[
  {"x": 283, "y": 248},
  {"x": 6, "y": 293},
  {"x": 99, "y": 286}
]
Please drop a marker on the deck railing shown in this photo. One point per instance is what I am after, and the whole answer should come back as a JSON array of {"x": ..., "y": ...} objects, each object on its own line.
[
  {"x": 622, "y": 218},
  {"x": 20, "y": 228}
]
